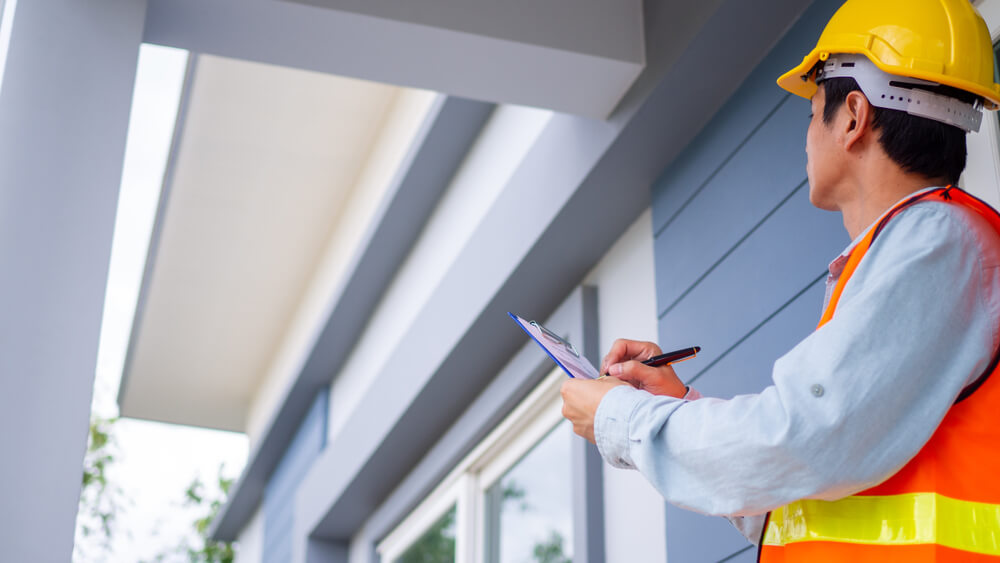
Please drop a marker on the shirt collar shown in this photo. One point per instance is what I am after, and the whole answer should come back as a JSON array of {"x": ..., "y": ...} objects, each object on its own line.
[{"x": 838, "y": 263}]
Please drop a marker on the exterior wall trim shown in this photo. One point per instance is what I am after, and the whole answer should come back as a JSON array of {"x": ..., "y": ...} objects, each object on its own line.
[
  {"x": 560, "y": 194},
  {"x": 566, "y": 221},
  {"x": 442, "y": 142},
  {"x": 576, "y": 318},
  {"x": 157, "y": 230},
  {"x": 588, "y": 467}
]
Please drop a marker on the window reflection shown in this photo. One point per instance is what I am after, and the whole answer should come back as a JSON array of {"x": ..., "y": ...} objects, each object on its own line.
[
  {"x": 528, "y": 510},
  {"x": 437, "y": 545}
]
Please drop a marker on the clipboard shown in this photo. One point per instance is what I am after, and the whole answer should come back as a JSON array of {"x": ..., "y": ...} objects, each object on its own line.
[{"x": 560, "y": 350}]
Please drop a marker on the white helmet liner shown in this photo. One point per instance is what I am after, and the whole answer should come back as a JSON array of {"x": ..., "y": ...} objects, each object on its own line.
[{"x": 884, "y": 90}]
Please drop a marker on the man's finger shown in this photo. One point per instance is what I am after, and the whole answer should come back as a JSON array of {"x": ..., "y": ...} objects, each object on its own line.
[
  {"x": 623, "y": 350},
  {"x": 633, "y": 372}
]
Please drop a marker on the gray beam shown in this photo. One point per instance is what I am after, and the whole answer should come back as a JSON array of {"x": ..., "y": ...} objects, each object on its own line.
[
  {"x": 556, "y": 217},
  {"x": 64, "y": 112},
  {"x": 319, "y": 551},
  {"x": 520, "y": 52},
  {"x": 588, "y": 466},
  {"x": 597, "y": 27},
  {"x": 439, "y": 147}
]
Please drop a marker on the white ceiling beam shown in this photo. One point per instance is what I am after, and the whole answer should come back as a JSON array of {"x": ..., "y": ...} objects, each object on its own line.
[{"x": 573, "y": 57}]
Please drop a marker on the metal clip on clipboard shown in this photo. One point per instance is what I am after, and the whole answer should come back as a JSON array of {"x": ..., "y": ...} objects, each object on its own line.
[
  {"x": 558, "y": 348},
  {"x": 555, "y": 338}
]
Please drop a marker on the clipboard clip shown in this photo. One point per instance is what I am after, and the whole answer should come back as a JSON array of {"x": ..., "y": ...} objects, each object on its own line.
[{"x": 555, "y": 338}]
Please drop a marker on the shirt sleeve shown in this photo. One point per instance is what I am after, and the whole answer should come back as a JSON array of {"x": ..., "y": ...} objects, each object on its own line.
[{"x": 849, "y": 405}]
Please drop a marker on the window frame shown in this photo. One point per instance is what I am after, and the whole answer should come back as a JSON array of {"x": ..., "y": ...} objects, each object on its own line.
[
  {"x": 575, "y": 318},
  {"x": 466, "y": 485}
]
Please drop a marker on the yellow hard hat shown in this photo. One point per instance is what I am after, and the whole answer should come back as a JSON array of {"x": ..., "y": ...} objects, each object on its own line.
[{"x": 942, "y": 41}]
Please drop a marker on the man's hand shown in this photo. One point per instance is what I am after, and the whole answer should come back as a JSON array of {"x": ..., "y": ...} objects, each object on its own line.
[
  {"x": 624, "y": 361},
  {"x": 624, "y": 350},
  {"x": 581, "y": 398}
]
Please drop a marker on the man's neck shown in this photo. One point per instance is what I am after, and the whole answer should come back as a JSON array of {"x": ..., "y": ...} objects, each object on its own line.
[{"x": 870, "y": 200}]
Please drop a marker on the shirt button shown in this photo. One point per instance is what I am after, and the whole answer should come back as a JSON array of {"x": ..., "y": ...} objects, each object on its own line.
[{"x": 817, "y": 390}]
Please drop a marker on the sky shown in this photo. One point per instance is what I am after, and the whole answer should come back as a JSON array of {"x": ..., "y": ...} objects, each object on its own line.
[{"x": 155, "y": 462}]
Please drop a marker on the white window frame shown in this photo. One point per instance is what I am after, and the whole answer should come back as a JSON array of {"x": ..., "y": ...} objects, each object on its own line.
[
  {"x": 982, "y": 173},
  {"x": 467, "y": 483}
]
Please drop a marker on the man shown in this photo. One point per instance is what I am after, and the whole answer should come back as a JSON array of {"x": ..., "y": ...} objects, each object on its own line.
[{"x": 880, "y": 437}]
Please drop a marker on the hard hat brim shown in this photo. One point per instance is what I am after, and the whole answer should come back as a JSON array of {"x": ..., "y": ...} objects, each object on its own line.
[{"x": 793, "y": 81}]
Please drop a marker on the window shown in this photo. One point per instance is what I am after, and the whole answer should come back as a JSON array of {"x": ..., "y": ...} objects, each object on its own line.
[
  {"x": 527, "y": 510},
  {"x": 436, "y": 545},
  {"x": 509, "y": 501}
]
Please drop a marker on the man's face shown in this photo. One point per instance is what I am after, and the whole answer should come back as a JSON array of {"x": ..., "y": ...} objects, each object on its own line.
[{"x": 822, "y": 164}]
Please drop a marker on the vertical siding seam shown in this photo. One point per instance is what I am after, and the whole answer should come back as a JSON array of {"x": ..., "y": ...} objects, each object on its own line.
[
  {"x": 760, "y": 325},
  {"x": 731, "y": 249},
  {"x": 721, "y": 165}
]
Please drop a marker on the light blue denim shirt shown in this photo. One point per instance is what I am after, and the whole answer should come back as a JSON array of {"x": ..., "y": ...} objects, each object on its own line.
[{"x": 918, "y": 321}]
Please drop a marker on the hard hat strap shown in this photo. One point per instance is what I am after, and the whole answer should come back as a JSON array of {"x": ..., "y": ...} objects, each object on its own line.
[{"x": 889, "y": 91}]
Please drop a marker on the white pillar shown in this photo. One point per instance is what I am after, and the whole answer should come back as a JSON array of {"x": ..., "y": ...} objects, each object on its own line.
[{"x": 64, "y": 109}]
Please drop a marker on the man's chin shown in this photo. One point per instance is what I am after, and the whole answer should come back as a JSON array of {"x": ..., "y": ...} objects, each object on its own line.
[{"x": 820, "y": 202}]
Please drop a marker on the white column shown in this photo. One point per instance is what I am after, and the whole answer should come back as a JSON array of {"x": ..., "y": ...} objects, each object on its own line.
[{"x": 64, "y": 110}]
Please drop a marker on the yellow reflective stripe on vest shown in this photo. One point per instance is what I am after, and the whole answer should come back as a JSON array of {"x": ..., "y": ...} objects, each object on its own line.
[{"x": 915, "y": 518}]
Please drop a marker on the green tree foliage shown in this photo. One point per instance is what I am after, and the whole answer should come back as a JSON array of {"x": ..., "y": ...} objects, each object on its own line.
[
  {"x": 551, "y": 551},
  {"x": 437, "y": 545},
  {"x": 101, "y": 502},
  {"x": 209, "y": 499}
]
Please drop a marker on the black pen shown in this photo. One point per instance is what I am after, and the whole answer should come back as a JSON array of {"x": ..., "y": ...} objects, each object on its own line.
[
  {"x": 668, "y": 358},
  {"x": 673, "y": 357}
]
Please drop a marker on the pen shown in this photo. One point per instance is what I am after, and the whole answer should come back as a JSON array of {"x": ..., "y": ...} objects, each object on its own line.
[
  {"x": 673, "y": 357},
  {"x": 670, "y": 357}
]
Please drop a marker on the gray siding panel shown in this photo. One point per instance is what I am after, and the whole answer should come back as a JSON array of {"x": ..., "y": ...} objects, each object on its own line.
[
  {"x": 744, "y": 191},
  {"x": 741, "y": 115},
  {"x": 741, "y": 254},
  {"x": 747, "y": 369},
  {"x": 782, "y": 257},
  {"x": 279, "y": 494},
  {"x": 711, "y": 538},
  {"x": 746, "y": 555}
]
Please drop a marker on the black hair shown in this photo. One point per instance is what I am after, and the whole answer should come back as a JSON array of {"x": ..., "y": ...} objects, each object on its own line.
[{"x": 917, "y": 144}]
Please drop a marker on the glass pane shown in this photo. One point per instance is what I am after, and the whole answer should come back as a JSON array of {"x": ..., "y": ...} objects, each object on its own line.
[
  {"x": 437, "y": 545},
  {"x": 528, "y": 511}
]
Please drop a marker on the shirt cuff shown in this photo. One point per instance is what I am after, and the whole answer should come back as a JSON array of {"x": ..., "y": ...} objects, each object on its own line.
[
  {"x": 612, "y": 419},
  {"x": 611, "y": 423}
]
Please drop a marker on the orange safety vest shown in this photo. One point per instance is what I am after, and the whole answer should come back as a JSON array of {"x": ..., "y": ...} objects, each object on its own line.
[{"x": 942, "y": 506}]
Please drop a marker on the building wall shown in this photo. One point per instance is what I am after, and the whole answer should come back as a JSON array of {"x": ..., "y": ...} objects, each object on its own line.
[
  {"x": 505, "y": 140},
  {"x": 250, "y": 543},
  {"x": 741, "y": 255},
  {"x": 279, "y": 495},
  {"x": 633, "y": 516},
  {"x": 396, "y": 135},
  {"x": 633, "y": 510}
]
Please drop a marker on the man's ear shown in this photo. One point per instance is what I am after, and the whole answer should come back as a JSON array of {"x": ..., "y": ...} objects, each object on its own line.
[{"x": 859, "y": 117}]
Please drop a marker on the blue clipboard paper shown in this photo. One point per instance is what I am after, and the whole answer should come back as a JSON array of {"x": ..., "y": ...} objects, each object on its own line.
[{"x": 562, "y": 352}]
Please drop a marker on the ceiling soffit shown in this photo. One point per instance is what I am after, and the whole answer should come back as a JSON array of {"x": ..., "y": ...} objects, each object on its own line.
[{"x": 266, "y": 161}]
